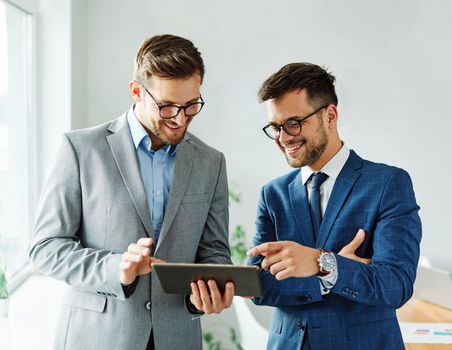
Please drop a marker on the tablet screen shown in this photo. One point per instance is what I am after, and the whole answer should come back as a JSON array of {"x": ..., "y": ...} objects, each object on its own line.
[{"x": 176, "y": 278}]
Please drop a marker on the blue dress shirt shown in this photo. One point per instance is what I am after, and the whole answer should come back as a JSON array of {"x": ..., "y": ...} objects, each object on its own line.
[{"x": 156, "y": 168}]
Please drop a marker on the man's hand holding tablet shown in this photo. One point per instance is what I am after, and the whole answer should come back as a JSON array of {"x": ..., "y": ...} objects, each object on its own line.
[
  {"x": 206, "y": 297},
  {"x": 211, "y": 286}
]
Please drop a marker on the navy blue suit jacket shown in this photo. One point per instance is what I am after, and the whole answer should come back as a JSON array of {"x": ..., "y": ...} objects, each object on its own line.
[{"x": 359, "y": 313}]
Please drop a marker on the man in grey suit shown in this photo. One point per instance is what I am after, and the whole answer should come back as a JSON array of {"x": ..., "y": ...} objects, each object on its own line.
[{"x": 130, "y": 192}]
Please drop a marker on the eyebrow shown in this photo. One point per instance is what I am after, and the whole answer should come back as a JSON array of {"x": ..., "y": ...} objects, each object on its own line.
[
  {"x": 169, "y": 102},
  {"x": 297, "y": 118}
]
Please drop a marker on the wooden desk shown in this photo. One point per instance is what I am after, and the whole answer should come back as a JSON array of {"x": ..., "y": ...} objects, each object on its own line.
[{"x": 421, "y": 311}]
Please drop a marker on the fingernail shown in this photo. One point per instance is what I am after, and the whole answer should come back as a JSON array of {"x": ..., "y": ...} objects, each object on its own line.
[{"x": 360, "y": 233}]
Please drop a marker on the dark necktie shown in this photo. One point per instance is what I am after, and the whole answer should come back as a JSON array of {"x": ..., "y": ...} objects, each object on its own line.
[{"x": 317, "y": 180}]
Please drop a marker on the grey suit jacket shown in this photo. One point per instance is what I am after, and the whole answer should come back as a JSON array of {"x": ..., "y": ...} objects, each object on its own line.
[{"x": 93, "y": 205}]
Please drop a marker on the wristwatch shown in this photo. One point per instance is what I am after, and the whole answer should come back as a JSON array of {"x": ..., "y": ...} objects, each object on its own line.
[{"x": 327, "y": 262}]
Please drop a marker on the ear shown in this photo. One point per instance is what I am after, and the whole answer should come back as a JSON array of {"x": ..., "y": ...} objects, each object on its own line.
[
  {"x": 135, "y": 91},
  {"x": 332, "y": 115}
]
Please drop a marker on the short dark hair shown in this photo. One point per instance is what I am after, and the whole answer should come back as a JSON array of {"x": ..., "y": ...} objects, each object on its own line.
[
  {"x": 319, "y": 83},
  {"x": 167, "y": 56}
]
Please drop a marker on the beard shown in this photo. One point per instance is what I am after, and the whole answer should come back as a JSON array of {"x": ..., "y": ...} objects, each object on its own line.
[
  {"x": 159, "y": 129},
  {"x": 313, "y": 149}
]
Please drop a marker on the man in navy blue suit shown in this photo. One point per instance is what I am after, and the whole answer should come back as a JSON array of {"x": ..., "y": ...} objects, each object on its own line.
[{"x": 329, "y": 293}]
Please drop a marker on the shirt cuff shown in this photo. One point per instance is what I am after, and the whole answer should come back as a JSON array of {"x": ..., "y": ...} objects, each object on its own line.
[
  {"x": 130, "y": 288},
  {"x": 191, "y": 309}
]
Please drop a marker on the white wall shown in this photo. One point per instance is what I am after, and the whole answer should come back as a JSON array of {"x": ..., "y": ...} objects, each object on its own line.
[{"x": 391, "y": 60}]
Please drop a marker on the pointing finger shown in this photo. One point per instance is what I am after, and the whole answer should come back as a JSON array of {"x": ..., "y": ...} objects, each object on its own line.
[
  {"x": 265, "y": 248},
  {"x": 137, "y": 249},
  {"x": 145, "y": 242}
]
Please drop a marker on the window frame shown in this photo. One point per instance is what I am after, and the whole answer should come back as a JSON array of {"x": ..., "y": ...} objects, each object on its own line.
[{"x": 29, "y": 8}]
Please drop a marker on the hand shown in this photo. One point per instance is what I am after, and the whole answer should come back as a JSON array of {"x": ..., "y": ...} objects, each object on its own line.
[
  {"x": 136, "y": 261},
  {"x": 207, "y": 297},
  {"x": 287, "y": 259},
  {"x": 348, "y": 251}
]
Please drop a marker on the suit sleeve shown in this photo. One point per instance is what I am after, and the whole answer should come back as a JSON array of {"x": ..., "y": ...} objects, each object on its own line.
[
  {"x": 389, "y": 280},
  {"x": 56, "y": 250},
  {"x": 214, "y": 244},
  {"x": 291, "y": 291}
]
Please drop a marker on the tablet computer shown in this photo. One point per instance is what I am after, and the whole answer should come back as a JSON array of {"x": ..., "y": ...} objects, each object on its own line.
[{"x": 176, "y": 278}]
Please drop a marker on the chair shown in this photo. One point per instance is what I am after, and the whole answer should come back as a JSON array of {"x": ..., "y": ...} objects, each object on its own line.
[{"x": 253, "y": 334}]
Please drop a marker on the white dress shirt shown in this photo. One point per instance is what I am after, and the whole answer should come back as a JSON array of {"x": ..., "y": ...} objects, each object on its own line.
[{"x": 332, "y": 169}]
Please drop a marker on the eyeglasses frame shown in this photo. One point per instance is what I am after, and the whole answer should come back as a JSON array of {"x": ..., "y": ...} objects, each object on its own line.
[
  {"x": 299, "y": 120},
  {"x": 184, "y": 108}
]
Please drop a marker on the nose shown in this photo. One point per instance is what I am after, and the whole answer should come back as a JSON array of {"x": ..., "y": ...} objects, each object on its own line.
[
  {"x": 284, "y": 137},
  {"x": 180, "y": 119}
]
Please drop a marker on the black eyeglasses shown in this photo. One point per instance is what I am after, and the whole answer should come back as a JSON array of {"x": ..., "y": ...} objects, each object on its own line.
[
  {"x": 291, "y": 126},
  {"x": 170, "y": 111}
]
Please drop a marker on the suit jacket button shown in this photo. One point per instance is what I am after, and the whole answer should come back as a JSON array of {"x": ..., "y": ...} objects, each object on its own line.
[
  {"x": 148, "y": 306},
  {"x": 300, "y": 326},
  {"x": 305, "y": 298}
]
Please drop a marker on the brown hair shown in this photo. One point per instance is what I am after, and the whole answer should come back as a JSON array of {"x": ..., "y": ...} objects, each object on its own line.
[
  {"x": 167, "y": 56},
  {"x": 319, "y": 84}
]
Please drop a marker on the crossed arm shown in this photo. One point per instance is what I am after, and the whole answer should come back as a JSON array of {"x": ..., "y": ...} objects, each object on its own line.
[{"x": 385, "y": 281}]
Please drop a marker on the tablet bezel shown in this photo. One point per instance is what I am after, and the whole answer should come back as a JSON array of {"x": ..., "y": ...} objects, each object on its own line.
[{"x": 175, "y": 278}]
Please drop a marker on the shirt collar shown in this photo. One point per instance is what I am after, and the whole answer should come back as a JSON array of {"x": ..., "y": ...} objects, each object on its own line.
[
  {"x": 140, "y": 135},
  {"x": 332, "y": 168}
]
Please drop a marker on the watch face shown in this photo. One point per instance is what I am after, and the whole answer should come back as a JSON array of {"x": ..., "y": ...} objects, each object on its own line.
[{"x": 327, "y": 262}]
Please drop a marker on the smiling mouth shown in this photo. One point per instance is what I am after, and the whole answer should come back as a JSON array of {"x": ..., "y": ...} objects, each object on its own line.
[
  {"x": 293, "y": 149},
  {"x": 172, "y": 127}
]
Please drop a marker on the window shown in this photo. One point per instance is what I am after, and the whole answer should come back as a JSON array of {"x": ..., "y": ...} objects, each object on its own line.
[{"x": 16, "y": 137}]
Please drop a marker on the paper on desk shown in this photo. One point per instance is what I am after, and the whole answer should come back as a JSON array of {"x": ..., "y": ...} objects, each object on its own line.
[{"x": 426, "y": 333}]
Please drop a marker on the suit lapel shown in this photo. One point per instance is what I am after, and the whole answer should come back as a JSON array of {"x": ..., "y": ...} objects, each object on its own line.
[
  {"x": 342, "y": 187},
  {"x": 300, "y": 207},
  {"x": 182, "y": 171},
  {"x": 124, "y": 153}
]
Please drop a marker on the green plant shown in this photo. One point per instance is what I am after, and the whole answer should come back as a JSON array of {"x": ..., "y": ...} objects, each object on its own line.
[
  {"x": 235, "y": 339},
  {"x": 234, "y": 196},
  {"x": 238, "y": 246},
  {"x": 3, "y": 289},
  {"x": 237, "y": 239},
  {"x": 213, "y": 344}
]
